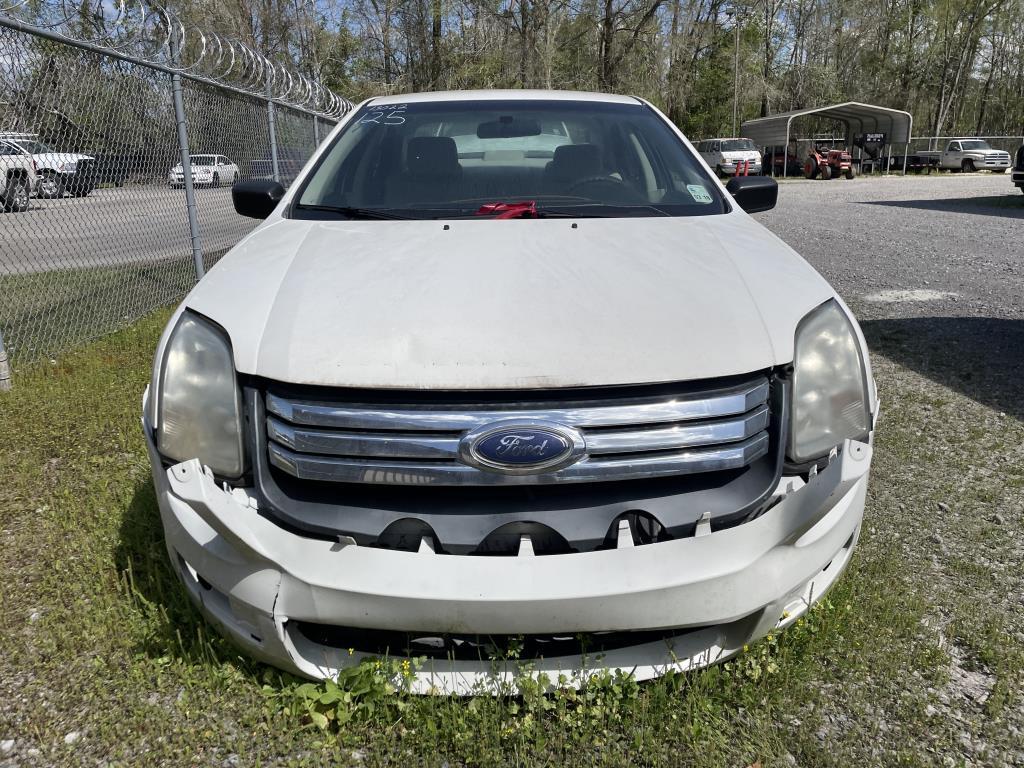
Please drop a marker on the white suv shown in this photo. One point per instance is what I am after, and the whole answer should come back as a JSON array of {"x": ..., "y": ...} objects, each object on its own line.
[
  {"x": 725, "y": 155},
  {"x": 507, "y": 382},
  {"x": 18, "y": 179}
]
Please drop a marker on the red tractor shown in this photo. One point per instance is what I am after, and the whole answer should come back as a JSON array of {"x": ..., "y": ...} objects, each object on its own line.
[{"x": 828, "y": 163}]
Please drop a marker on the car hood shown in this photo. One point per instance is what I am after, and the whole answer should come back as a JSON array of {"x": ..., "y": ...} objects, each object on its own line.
[
  {"x": 492, "y": 304},
  {"x": 53, "y": 158}
]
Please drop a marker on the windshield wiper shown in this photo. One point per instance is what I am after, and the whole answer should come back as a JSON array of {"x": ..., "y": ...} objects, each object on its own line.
[
  {"x": 352, "y": 212},
  {"x": 581, "y": 211}
]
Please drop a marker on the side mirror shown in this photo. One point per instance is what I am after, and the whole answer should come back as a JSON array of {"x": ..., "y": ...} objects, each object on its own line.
[
  {"x": 753, "y": 193},
  {"x": 256, "y": 199}
]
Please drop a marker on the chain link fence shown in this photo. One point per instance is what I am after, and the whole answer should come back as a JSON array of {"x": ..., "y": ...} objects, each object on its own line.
[{"x": 102, "y": 218}]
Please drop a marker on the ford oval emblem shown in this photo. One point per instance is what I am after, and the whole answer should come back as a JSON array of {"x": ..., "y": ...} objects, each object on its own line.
[{"x": 522, "y": 449}]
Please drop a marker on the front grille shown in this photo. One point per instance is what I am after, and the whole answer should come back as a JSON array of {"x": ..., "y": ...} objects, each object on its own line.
[
  {"x": 467, "y": 647},
  {"x": 414, "y": 444},
  {"x": 383, "y": 468}
]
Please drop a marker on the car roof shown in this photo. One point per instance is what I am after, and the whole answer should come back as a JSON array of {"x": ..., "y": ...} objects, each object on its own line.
[{"x": 503, "y": 95}]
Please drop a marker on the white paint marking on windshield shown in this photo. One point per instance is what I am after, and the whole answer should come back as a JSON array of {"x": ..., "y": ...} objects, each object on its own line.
[{"x": 388, "y": 114}]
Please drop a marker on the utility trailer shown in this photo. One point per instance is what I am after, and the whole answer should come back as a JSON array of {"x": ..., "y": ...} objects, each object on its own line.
[{"x": 916, "y": 162}]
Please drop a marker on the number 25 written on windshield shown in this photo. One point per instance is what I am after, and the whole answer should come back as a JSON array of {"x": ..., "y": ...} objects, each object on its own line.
[{"x": 380, "y": 117}]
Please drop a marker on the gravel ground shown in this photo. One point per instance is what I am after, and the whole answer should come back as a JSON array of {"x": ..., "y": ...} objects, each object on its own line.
[
  {"x": 915, "y": 246},
  {"x": 933, "y": 266}
]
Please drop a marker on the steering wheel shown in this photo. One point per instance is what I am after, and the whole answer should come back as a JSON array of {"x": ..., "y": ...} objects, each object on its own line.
[{"x": 591, "y": 180}]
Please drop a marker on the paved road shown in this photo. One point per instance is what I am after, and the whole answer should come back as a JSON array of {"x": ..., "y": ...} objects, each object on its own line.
[{"x": 115, "y": 226}]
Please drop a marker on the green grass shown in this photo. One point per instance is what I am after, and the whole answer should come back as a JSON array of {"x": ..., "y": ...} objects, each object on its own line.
[
  {"x": 97, "y": 637},
  {"x": 44, "y": 313}
]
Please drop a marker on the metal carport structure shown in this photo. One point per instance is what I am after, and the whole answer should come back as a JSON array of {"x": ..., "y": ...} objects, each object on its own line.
[{"x": 775, "y": 129}]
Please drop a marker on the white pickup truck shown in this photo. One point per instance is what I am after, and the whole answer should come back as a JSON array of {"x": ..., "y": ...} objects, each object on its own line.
[
  {"x": 18, "y": 178},
  {"x": 59, "y": 172},
  {"x": 969, "y": 155}
]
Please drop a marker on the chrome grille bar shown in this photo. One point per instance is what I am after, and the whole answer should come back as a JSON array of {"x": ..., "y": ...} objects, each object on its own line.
[
  {"x": 620, "y": 439},
  {"x": 342, "y": 470},
  {"x": 415, "y": 446},
  {"x": 678, "y": 436},
  {"x": 394, "y": 445},
  {"x": 378, "y": 418}
]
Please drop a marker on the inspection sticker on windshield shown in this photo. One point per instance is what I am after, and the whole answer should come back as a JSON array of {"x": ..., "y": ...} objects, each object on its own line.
[{"x": 699, "y": 193}]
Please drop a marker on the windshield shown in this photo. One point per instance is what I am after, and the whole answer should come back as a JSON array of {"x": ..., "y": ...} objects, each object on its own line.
[
  {"x": 738, "y": 145},
  {"x": 202, "y": 159},
  {"x": 460, "y": 158},
  {"x": 975, "y": 145}
]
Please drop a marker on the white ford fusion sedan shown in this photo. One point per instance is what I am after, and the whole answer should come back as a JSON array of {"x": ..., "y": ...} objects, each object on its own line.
[{"x": 508, "y": 383}]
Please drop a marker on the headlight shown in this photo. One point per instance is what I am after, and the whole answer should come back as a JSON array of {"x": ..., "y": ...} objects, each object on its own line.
[
  {"x": 200, "y": 409},
  {"x": 830, "y": 398}
]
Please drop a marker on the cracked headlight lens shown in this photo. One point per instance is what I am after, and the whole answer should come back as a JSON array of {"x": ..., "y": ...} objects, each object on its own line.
[
  {"x": 830, "y": 398},
  {"x": 200, "y": 411}
]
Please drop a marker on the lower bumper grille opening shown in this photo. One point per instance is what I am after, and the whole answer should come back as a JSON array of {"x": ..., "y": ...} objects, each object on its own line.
[
  {"x": 640, "y": 527},
  {"x": 477, "y": 647},
  {"x": 508, "y": 540}
]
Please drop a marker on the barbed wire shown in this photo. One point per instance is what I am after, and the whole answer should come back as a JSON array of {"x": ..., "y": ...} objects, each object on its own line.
[{"x": 153, "y": 34}]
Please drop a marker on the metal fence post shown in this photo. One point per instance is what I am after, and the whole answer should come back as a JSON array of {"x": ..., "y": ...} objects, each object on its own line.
[
  {"x": 316, "y": 131},
  {"x": 271, "y": 122},
  {"x": 5, "y": 367},
  {"x": 186, "y": 170}
]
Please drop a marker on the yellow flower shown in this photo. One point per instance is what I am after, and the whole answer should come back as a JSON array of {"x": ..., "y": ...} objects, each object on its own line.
[
  {"x": 351, "y": 651},
  {"x": 785, "y": 614}
]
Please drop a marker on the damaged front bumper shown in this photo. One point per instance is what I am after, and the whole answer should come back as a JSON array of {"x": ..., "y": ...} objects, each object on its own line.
[{"x": 712, "y": 593}]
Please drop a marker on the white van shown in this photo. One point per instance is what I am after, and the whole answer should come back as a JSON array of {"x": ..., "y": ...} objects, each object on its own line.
[{"x": 724, "y": 154}]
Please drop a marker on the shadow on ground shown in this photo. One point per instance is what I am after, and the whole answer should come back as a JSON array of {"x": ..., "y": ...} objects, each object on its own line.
[
  {"x": 177, "y": 628},
  {"x": 1004, "y": 206},
  {"x": 981, "y": 357}
]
